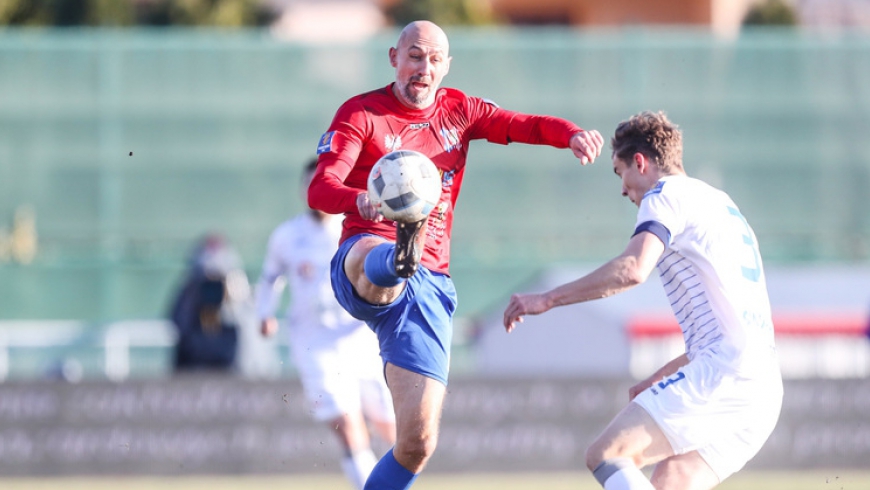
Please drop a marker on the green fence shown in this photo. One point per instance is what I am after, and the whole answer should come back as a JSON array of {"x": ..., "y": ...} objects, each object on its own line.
[{"x": 128, "y": 145}]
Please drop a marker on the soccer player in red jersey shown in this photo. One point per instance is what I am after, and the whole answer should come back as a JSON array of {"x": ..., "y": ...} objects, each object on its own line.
[{"x": 395, "y": 276}]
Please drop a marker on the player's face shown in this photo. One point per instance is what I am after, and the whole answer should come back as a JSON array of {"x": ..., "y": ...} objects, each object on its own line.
[
  {"x": 421, "y": 62},
  {"x": 634, "y": 184}
]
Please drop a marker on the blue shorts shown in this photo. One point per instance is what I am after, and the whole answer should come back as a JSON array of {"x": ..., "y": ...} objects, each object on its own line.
[{"x": 416, "y": 330}]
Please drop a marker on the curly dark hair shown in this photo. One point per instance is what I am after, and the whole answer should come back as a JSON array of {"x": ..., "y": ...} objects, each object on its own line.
[{"x": 653, "y": 135}]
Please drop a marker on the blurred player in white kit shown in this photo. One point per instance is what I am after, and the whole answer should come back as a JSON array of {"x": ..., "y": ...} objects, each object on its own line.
[{"x": 337, "y": 356}]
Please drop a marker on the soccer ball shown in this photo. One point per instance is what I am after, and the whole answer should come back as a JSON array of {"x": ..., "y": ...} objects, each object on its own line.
[{"x": 404, "y": 185}]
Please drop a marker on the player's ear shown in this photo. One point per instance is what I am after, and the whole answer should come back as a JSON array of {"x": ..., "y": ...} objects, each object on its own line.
[
  {"x": 641, "y": 162},
  {"x": 393, "y": 56}
]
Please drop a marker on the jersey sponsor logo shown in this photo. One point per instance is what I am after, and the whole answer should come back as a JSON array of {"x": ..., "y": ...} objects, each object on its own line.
[
  {"x": 325, "y": 143},
  {"x": 392, "y": 142},
  {"x": 655, "y": 190},
  {"x": 451, "y": 139},
  {"x": 419, "y": 125}
]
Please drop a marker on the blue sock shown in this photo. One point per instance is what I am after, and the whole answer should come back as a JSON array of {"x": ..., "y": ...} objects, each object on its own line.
[
  {"x": 389, "y": 475},
  {"x": 379, "y": 266}
]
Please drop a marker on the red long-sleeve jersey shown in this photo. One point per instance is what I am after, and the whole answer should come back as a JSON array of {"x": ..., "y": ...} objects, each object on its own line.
[{"x": 370, "y": 125}]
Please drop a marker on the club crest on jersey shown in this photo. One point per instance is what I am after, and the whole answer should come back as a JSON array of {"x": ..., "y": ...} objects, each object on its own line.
[
  {"x": 451, "y": 139},
  {"x": 392, "y": 142},
  {"x": 325, "y": 143}
]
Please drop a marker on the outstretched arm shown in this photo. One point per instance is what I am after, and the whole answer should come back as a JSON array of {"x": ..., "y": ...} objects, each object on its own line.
[
  {"x": 502, "y": 126},
  {"x": 629, "y": 269}
]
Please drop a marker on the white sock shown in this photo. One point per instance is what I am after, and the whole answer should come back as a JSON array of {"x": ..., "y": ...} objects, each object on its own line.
[
  {"x": 621, "y": 474},
  {"x": 358, "y": 466}
]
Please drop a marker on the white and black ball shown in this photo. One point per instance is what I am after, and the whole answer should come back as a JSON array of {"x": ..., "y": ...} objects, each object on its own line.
[{"x": 404, "y": 185}]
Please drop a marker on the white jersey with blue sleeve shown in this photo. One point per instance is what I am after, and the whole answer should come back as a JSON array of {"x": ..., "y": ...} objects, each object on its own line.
[
  {"x": 299, "y": 252},
  {"x": 712, "y": 273}
]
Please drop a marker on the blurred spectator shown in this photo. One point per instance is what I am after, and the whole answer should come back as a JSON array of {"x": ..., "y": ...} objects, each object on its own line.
[
  {"x": 208, "y": 334},
  {"x": 68, "y": 369}
]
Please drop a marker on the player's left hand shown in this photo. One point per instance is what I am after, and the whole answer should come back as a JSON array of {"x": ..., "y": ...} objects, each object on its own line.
[
  {"x": 587, "y": 145},
  {"x": 523, "y": 304}
]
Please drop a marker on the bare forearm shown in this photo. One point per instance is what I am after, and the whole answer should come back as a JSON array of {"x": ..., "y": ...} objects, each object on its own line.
[
  {"x": 611, "y": 278},
  {"x": 627, "y": 270}
]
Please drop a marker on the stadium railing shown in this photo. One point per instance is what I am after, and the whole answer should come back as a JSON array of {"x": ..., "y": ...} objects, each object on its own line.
[{"x": 814, "y": 344}]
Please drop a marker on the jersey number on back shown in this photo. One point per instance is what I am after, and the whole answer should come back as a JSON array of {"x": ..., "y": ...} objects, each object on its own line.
[{"x": 751, "y": 273}]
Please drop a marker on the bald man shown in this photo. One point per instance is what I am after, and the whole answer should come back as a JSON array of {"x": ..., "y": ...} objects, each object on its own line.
[{"x": 394, "y": 275}]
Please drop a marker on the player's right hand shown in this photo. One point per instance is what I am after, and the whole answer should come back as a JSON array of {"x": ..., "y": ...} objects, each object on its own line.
[
  {"x": 521, "y": 305},
  {"x": 366, "y": 209}
]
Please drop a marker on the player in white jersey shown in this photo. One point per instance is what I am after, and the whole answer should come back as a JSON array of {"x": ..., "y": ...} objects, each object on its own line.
[
  {"x": 702, "y": 416},
  {"x": 337, "y": 356}
]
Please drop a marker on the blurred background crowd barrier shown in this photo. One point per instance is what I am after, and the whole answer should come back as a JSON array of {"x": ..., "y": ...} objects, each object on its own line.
[{"x": 225, "y": 425}]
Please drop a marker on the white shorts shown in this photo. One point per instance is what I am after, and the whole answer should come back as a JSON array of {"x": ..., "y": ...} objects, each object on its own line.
[
  {"x": 341, "y": 372},
  {"x": 726, "y": 418}
]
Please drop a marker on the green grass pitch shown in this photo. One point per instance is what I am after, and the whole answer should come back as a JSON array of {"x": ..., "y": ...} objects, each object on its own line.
[{"x": 780, "y": 480}]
